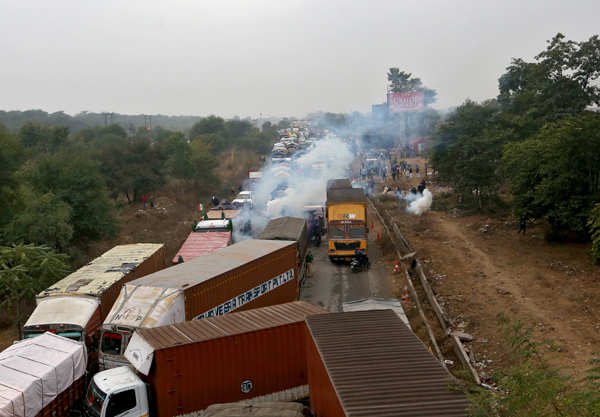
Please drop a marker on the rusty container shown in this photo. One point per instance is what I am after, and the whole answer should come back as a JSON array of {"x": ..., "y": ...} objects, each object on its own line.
[
  {"x": 369, "y": 363},
  {"x": 289, "y": 228},
  {"x": 239, "y": 270},
  {"x": 228, "y": 358},
  {"x": 153, "y": 263}
]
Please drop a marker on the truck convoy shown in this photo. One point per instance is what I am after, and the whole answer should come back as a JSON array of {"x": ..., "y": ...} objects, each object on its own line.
[
  {"x": 207, "y": 236},
  {"x": 75, "y": 306},
  {"x": 346, "y": 222},
  {"x": 185, "y": 367},
  {"x": 44, "y": 376},
  {"x": 245, "y": 275}
]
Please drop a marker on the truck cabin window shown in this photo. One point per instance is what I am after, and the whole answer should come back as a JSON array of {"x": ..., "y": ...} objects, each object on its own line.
[
  {"x": 120, "y": 402},
  {"x": 111, "y": 343},
  {"x": 95, "y": 398}
]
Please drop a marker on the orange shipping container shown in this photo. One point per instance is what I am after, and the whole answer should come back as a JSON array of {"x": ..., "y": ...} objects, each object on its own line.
[
  {"x": 249, "y": 274},
  {"x": 369, "y": 363},
  {"x": 235, "y": 357}
]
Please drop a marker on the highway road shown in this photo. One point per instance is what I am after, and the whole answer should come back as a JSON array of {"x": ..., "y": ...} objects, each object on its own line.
[{"x": 332, "y": 284}]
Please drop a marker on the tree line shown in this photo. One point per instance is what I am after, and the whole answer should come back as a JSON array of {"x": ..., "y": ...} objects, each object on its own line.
[
  {"x": 60, "y": 190},
  {"x": 539, "y": 136}
]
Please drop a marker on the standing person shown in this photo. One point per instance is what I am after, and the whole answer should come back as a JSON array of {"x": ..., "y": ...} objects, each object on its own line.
[
  {"x": 425, "y": 169},
  {"x": 394, "y": 172},
  {"x": 522, "y": 225},
  {"x": 144, "y": 199},
  {"x": 309, "y": 261},
  {"x": 417, "y": 169}
]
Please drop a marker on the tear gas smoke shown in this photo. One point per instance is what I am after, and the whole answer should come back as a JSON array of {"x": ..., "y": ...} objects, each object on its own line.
[
  {"x": 286, "y": 187},
  {"x": 419, "y": 203}
]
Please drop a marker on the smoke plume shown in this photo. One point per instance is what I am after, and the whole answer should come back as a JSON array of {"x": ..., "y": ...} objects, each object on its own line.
[
  {"x": 419, "y": 203},
  {"x": 285, "y": 188}
]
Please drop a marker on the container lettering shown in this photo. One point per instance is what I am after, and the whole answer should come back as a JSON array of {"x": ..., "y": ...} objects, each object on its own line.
[{"x": 252, "y": 294}]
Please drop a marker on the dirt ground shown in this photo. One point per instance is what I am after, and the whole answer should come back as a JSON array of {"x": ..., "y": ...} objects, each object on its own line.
[{"x": 480, "y": 266}]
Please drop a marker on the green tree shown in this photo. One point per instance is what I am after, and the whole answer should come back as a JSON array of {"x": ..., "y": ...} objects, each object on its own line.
[
  {"x": 467, "y": 150},
  {"x": 45, "y": 138},
  {"x": 562, "y": 82},
  {"x": 403, "y": 82},
  {"x": 25, "y": 270},
  {"x": 556, "y": 174},
  {"x": 594, "y": 227},
  {"x": 75, "y": 179},
  {"x": 11, "y": 157},
  {"x": 131, "y": 167},
  {"x": 210, "y": 124},
  {"x": 43, "y": 220},
  {"x": 203, "y": 162}
]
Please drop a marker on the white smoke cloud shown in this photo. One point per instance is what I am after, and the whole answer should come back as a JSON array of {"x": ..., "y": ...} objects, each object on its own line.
[
  {"x": 419, "y": 203},
  {"x": 328, "y": 158}
]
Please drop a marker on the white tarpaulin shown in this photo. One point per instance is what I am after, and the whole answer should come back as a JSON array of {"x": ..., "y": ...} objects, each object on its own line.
[
  {"x": 35, "y": 371},
  {"x": 140, "y": 353}
]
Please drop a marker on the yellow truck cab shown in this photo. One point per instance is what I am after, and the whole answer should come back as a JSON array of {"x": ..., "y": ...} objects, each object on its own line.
[{"x": 346, "y": 222}]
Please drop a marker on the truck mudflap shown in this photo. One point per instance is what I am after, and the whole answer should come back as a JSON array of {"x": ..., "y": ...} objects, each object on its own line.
[{"x": 291, "y": 394}]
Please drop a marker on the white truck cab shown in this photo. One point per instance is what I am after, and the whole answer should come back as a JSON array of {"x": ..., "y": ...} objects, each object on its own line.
[
  {"x": 117, "y": 392},
  {"x": 243, "y": 198}
]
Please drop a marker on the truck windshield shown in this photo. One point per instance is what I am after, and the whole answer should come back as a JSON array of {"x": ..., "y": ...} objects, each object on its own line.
[
  {"x": 111, "y": 343},
  {"x": 71, "y": 335},
  {"x": 95, "y": 399}
]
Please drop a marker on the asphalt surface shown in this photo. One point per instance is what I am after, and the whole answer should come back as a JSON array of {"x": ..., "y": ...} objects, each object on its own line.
[{"x": 332, "y": 284}]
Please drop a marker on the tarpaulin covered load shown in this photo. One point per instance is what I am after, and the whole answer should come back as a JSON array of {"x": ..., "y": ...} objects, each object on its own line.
[{"x": 34, "y": 372}]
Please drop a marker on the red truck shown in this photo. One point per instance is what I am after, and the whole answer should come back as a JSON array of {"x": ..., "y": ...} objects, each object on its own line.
[{"x": 207, "y": 236}]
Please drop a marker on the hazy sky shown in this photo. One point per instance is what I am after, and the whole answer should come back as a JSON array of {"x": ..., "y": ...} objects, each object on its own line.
[{"x": 275, "y": 57}]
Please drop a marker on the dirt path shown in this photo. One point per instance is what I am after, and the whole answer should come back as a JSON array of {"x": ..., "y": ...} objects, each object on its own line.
[{"x": 481, "y": 267}]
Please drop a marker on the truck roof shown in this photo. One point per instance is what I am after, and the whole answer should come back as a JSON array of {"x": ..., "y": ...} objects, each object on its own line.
[
  {"x": 376, "y": 366},
  {"x": 338, "y": 183},
  {"x": 346, "y": 195},
  {"x": 375, "y": 303},
  {"x": 67, "y": 310},
  {"x": 202, "y": 243},
  {"x": 215, "y": 214},
  {"x": 284, "y": 228},
  {"x": 101, "y": 273},
  {"x": 148, "y": 340},
  {"x": 206, "y": 267}
]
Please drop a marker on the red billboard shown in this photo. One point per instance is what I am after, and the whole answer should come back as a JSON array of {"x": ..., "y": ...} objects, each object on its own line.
[{"x": 410, "y": 101}]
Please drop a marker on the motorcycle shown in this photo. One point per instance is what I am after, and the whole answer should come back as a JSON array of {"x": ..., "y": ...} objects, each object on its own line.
[{"x": 360, "y": 262}]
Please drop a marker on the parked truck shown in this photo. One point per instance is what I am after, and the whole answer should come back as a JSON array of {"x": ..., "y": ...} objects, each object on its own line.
[
  {"x": 43, "y": 377},
  {"x": 76, "y": 306},
  {"x": 245, "y": 275},
  {"x": 289, "y": 228},
  {"x": 346, "y": 222},
  {"x": 183, "y": 368},
  {"x": 207, "y": 236}
]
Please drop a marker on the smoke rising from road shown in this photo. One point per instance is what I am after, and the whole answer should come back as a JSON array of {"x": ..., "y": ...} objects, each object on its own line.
[{"x": 285, "y": 188}]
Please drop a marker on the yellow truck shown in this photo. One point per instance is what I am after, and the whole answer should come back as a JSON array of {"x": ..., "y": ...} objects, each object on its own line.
[{"x": 346, "y": 222}]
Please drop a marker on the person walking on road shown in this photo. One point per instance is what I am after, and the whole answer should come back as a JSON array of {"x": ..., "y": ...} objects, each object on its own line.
[{"x": 144, "y": 199}]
